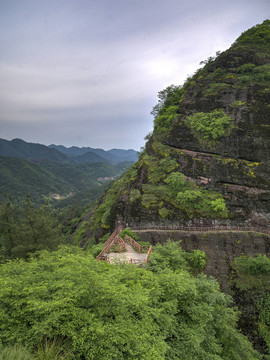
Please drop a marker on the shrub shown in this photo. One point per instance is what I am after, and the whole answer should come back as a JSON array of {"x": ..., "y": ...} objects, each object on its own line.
[
  {"x": 128, "y": 232},
  {"x": 163, "y": 122},
  {"x": 122, "y": 312},
  {"x": 134, "y": 195},
  {"x": 197, "y": 260},
  {"x": 175, "y": 181},
  {"x": 215, "y": 88},
  {"x": 16, "y": 352},
  {"x": 190, "y": 199},
  {"x": 203, "y": 202},
  {"x": 50, "y": 350},
  {"x": 246, "y": 68},
  {"x": 235, "y": 104},
  {"x": 218, "y": 205},
  {"x": 258, "y": 265},
  {"x": 210, "y": 126},
  {"x": 163, "y": 212}
]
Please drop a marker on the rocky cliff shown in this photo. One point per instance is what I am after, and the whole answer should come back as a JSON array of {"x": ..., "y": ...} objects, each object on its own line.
[
  {"x": 207, "y": 163},
  {"x": 207, "y": 160}
]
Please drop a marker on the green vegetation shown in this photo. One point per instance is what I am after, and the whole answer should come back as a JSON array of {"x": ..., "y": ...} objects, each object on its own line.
[
  {"x": 214, "y": 88},
  {"x": 210, "y": 126},
  {"x": 237, "y": 103},
  {"x": 77, "y": 238},
  {"x": 184, "y": 194},
  {"x": 258, "y": 36},
  {"x": 170, "y": 255},
  {"x": 47, "y": 179},
  {"x": 253, "y": 75},
  {"x": 134, "y": 195},
  {"x": 166, "y": 192},
  {"x": 175, "y": 181},
  {"x": 163, "y": 122},
  {"x": 102, "y": 215},
  {"x": 204, "y": 201},
  {"x": 128, "y": 232},
  {"x": 16, "y": 352},
  {"x": 251, "y": 278},
  {"x": 167, "y": 98},
  {"x": 166, "y": 110},
  {"x": 100, "y": 311},
  {"x": 25, "y": 229},
  {"x": 163, "y": 212}
]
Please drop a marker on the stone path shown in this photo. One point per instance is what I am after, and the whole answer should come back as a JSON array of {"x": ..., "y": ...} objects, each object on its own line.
[{"x": 129, "y": 256}]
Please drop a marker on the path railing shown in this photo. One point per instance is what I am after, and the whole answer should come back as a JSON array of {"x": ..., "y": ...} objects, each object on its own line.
[
  {"x": 203, "y": 228},
  {"x": 108, "y": 244},
  {"x": 121, "y": 244},
  {"x": 133, "y": 243},
  {"x": 140, "y": 248},
  {"x": 115, "y": 240},
  {"x": 113, "y": 235},
  {"x": 149, "y": 252}
]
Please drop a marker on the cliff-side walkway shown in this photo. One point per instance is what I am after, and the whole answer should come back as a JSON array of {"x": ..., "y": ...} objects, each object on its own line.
[{"x": 129, "y": 256}]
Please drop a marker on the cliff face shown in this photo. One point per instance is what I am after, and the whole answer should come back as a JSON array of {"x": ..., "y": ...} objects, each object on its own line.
[
  {"x": 208, "y": 159},
  {"x": 220, "y": 247},
  {"x": 207, "y": 162}
]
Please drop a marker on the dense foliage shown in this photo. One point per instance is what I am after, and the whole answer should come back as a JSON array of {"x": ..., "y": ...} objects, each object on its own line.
[
  {"x": 251, "y": 285},
  {"x": 102, "y": 311},
  {"x": 49, "y": 179},
  {"x": 257, "y": 35},
  {"x": 25, "y": 229},
  {"x": 210, "y": 126}
]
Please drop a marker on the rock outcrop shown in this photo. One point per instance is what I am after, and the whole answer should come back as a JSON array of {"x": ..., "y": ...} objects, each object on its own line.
[{"x": 208, "y": 159}]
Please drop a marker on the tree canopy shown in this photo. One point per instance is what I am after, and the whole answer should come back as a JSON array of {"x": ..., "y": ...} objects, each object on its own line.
[{"x": 103, "y": 311}]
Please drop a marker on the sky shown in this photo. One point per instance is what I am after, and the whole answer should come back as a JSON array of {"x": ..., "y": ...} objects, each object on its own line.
[{"x": 87, "y": 72}]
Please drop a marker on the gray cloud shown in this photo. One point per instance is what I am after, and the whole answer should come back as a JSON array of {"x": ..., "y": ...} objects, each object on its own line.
[{"x": 80, "y": 72}]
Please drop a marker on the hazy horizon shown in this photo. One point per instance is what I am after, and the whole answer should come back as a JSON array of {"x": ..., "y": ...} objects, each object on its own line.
[{"x": 96, "y": 148}]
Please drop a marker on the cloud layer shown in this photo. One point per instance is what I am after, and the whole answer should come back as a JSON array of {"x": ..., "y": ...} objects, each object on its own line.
[{"x": 77, "y": 72}]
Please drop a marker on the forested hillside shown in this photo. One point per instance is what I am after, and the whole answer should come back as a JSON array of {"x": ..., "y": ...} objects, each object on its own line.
[
  {"x": 112, "y": 156},
  {"x": 63, "y": 175},
  {"x": 59, "y": 153},
  {"x": 49, "y": 179}
]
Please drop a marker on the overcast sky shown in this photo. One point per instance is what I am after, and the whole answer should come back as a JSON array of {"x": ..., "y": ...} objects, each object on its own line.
[{"x": 87, "y": 72}]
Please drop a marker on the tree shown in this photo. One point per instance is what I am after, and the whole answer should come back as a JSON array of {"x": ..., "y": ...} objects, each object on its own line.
[
  {"x": 26, "y": 229},
  {"x": 166, "y": 98},
  {"x": 210, "y": 126},
  {"x": 176, "y": 181},
  {"x": 8, "y": 227},
  {"x": 104, "y": 311}
]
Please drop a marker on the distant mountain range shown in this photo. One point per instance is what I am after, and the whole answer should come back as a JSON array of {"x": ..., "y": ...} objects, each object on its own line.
[
  {"x": 40, "y": 170},
  {"x": 59, "y": 153},
  {"x": 20, "y": 177},
  {"x": 112, "y": 156}
]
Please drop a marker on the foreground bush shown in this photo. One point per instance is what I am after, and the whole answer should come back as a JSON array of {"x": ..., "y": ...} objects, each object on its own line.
[
  {"x": 16, "y": 352},
  {"x": 102, "y": 311}
]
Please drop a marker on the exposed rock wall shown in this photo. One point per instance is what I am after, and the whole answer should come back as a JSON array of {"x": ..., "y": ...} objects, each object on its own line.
[
  {"x": 223, "y": 157},
  {"x": 220, "y": 247}
]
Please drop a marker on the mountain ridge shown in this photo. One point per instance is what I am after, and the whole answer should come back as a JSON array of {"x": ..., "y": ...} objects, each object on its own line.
[
  {"x": 113, "y": 155},
  {"x": 59, "y": 153},
  {"x": 207, "y": 161},
  {"x": 47, "y": 178}
]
